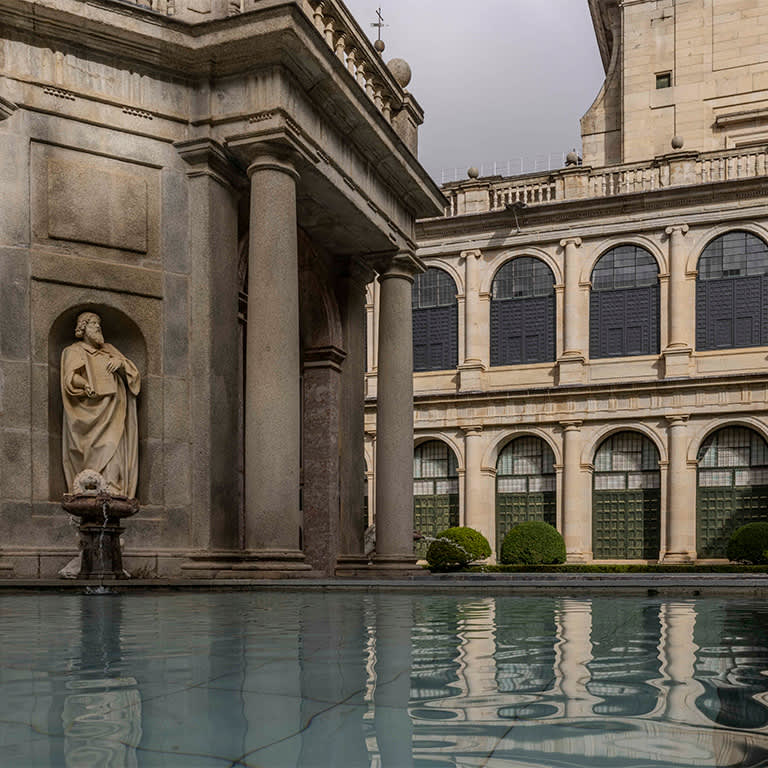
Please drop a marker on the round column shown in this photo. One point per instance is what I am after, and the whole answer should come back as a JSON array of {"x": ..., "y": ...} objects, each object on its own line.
[
  {"x": 272, "y": 396},
  {"x": 681, "y": 502},
  {"x": 394, "y": 417},
  {"x": 473, "y": 321},
  {"x": 679, "y": 305},
  {"x": 475, "y": 512},
  {"x": 574, "y": 517},
  {"x": 573, "y": 335}
]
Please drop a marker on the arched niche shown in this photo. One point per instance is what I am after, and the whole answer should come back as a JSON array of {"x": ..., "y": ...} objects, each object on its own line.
[{"x": 121, "y": 332}]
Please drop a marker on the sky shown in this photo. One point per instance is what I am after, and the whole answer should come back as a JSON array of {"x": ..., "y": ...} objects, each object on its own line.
[{"x": 500, "y": 81}]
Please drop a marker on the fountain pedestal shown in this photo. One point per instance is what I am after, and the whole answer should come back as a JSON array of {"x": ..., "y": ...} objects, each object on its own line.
[{"x": 100, "y": 528}]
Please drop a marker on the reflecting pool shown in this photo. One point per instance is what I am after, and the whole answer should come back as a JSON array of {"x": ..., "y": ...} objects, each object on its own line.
[{"x": 275, "y": 679}]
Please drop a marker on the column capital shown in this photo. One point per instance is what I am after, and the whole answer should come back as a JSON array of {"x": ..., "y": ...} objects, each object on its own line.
[
  {"x": 575, "y": 241},
  {"x": 677, "y": 419},
  {"x": 207, "y": 157},
  {"x": 471, "y": 429},
  {"x": 466, "y": 255},
  {"x": 275, "y": 132},
  {"x": 571, "y": 425},
  {"x": 271, "y": 159},
  {"x": 358, "y": 272},
  {"x": 681, "y": 229},
  {"x": 404, "y": 265}
]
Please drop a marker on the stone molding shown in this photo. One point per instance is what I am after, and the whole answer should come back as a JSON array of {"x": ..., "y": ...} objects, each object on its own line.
[
  {"x": 209, "y": 158},
  {"x": 7, "y": 108}
]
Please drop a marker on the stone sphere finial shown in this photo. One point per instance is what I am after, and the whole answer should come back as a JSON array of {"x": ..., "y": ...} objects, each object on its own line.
[
  {"x": 379, "y": 45},
  {"x": 401, "y": 71},
  {"x": 473, "y": 173},
  {"x": 572, "y": 158},
  {"x": 677, "y": 142}
]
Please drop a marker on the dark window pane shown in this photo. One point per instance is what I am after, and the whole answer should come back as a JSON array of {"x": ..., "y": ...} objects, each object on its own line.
[{"x": 732, "y": 293}]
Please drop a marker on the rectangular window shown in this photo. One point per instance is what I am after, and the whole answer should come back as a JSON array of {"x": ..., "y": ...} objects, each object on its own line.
[{"x": 663, "y": 80}]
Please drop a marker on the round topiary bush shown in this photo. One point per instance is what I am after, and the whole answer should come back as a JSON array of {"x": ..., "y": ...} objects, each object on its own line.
[
  {"x": 749, "y": 544},
  {"x": 533, "y": 543},
  {"x": 456, "y": 548}
]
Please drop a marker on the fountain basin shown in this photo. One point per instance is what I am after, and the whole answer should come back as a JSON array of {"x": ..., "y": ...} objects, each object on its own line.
[{"x": 99, "y": 525}]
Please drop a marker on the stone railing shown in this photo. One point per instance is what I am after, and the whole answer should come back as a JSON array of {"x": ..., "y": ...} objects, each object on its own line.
[
  {"x": 353, "y": 49},
  {"x": 582, "y": 182}
]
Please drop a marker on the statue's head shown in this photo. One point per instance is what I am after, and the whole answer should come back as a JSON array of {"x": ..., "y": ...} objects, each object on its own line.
[{"x": 88, "y": 328}]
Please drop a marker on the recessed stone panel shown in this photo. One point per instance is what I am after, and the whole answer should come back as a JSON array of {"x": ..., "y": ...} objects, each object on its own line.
[
  {"x": 92, "y": 204},
  {"x": 96, "y": 206}
]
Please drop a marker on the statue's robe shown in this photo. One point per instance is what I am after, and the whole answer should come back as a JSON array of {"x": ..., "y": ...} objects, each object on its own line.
[{"x": 100, "y": 433}]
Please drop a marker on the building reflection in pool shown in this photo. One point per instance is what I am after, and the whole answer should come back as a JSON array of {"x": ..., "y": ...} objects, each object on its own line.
[{"x": 312, "y": 679}]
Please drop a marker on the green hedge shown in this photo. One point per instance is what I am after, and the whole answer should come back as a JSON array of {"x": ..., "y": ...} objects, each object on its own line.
[
  {"x": 749, "y": 544},
  {"x": 457, "y": 548},
  {"x": 533, "y": 543}
]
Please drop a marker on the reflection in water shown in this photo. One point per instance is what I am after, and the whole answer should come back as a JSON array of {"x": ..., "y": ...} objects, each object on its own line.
[{"x": 398, "y": 681}]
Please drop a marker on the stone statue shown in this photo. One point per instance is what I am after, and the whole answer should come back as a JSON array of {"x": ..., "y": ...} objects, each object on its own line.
[{"x": 99, "y": 386}]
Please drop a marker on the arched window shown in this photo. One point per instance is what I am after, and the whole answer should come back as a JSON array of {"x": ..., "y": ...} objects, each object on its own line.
[
  {"x": 732, "y": 487},
  {"x": 435, "y": 321},
  {"x": 626, "y": 499},
  {"x": 732, "y": 293},
  {"x": 525, "y": 485},
  {"x": 624, "y": 304},
  {"x": 435, "y": 491},
  {"x": 523, "y": 313}
]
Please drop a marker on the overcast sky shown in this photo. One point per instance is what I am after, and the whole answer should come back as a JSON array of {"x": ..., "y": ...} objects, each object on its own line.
[{"x": 499, "y": 80}]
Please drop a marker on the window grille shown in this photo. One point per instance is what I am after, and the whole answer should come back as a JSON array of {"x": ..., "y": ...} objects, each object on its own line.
[
  {"x": 624, "y": 304},
  {"x": 435, "y": 491},
  {"x": 627, "y": 461},
  {"x": 732, "y": 293},
  {"x": 523, "y": 313},
  {"x": 732, "y": 487},
  {"x": 728, "y": 457},
  {"x": 435, "y": 321}
]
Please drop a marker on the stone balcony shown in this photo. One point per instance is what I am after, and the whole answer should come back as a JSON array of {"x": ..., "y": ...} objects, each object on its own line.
[{"x": 581, "y": 182}]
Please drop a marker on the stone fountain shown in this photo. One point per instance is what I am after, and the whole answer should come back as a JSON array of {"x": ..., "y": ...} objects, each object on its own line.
[{"x": 100, "y": 515}]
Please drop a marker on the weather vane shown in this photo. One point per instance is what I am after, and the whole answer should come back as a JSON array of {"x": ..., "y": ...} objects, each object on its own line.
[{"x": 379, "y": 44}]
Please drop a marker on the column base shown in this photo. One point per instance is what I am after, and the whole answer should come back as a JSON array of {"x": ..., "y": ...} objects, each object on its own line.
[
  {"x": 571, "y": 369},
  {"x": 471, "y": 376},
  {"x": 677, "y": 362},
  {"x": 384, "y": 567},
  {"x": 263, "y": 564},
  {"x": 678, "y": 558},
  {"x": 578, "y": 558}
]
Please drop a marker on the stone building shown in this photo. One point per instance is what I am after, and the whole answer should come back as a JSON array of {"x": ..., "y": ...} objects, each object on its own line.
[
  {"x": 218, "y": 180},
  {"x": 590, "y": 343}
]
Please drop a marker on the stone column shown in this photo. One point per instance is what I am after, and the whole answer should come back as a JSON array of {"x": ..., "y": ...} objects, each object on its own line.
[
  {"x": 571, "y": 363},
  {"x": 574, "y": 511},
  {"x": 476, "y": 329},
  {"x": 352, "y": 295},
  {"x": 680, "y": 327},
  {"x": 681, "y": 495},
  {"x": 213, "y": 186},
  {"x": 475, "y": 514},
  {"x": 273, "y": 406},
  {"x": 394, "y": 418}
]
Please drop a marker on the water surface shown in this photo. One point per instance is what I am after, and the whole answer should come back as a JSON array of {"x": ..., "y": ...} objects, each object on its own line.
[{"x": 275, "y": 679}]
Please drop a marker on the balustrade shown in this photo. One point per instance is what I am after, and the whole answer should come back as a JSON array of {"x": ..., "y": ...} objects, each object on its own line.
[{"x": 660, "y": 173}]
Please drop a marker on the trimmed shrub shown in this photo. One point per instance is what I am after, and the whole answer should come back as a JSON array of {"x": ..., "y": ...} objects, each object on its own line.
[
  {"x": 456, "y": 548},
  {"x": 533, "y": 543},
  {"x": 749, "y": 544}
]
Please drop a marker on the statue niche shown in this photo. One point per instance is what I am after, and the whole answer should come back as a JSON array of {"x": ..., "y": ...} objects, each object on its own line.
[{"x": 100, "y": 446}]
